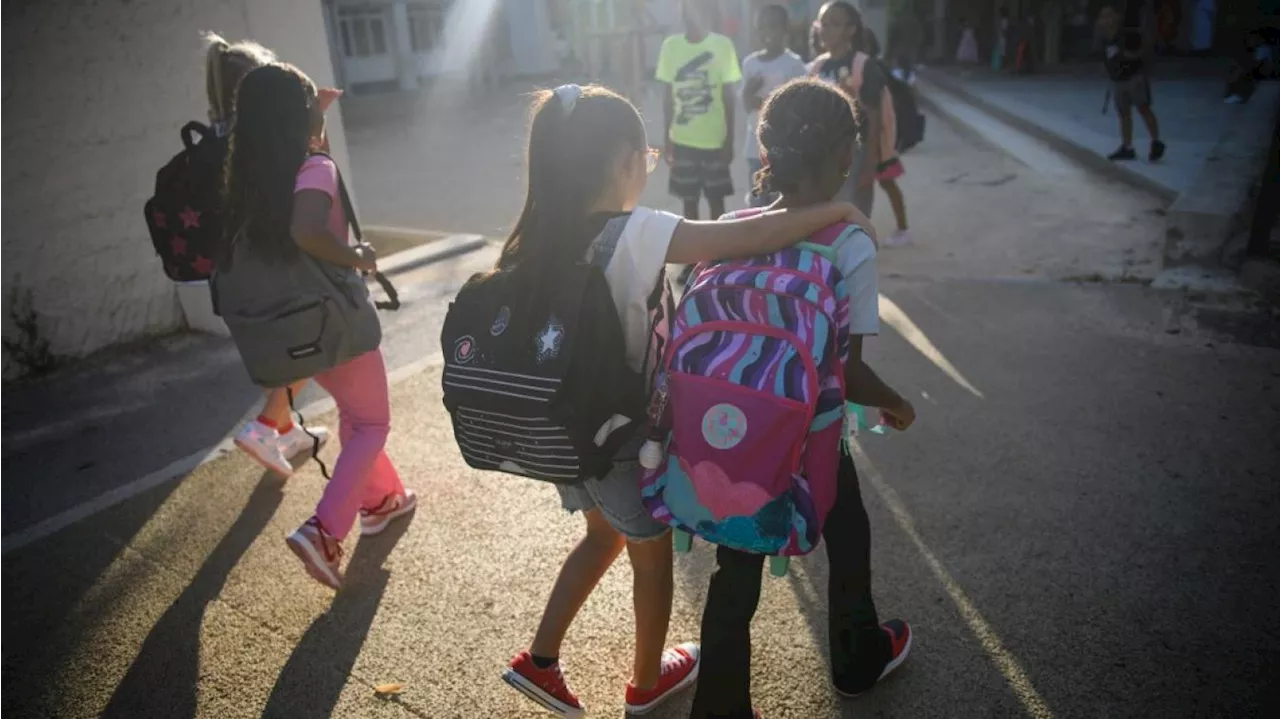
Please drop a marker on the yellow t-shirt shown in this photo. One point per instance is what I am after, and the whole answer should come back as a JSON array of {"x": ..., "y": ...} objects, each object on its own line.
[{"x": 697, "y": 74}]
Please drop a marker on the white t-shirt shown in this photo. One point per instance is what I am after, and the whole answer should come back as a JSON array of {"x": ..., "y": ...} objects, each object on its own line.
[
  {"x": 777, "y": 71},
  {"x": 632, "y": 248}
]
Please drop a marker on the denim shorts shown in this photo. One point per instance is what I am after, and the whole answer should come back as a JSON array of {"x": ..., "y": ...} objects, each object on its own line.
[{"x": 617, "y": 495}]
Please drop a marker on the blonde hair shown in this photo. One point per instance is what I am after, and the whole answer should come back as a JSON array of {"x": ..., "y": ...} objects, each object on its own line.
[{"x": 225, "y": 65}]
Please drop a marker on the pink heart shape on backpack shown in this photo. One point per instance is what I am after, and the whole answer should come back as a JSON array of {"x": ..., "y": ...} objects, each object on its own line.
[{"x": 723, "y": 497}]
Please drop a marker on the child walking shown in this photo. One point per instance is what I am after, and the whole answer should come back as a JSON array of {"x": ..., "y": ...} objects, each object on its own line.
[
  {"x": 588, "y": 163},
  {"x": 286, "y": 201},
  {"x": 800, "y": 126},
  {"x": 849, "y": 64},
  {"x": 272, "y": 439},
  {"x": 765, "y": 70}
]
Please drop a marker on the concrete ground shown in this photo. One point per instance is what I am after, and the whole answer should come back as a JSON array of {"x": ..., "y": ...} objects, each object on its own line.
[
  {"x": 1068, "y": 106},
  {"x": 1082, "y": 523}
]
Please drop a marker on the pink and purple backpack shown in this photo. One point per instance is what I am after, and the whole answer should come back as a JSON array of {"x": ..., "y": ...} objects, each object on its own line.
[{"x": 750, "y": 400}]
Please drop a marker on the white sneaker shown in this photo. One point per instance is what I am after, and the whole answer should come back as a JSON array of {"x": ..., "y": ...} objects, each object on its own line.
[
  {"x": 898, "y": 239},
  {"x": 373, "y": 521},
  {"x": 296, "y": 441},
  {"x": 263, "y": 444}
]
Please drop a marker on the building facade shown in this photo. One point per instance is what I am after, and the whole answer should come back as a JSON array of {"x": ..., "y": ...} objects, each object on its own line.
[
  {"x": 402, "y": 43},
  {"x": 95, "y": 93}
]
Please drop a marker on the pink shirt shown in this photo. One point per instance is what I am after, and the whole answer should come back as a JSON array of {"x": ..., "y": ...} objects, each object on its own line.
[{"x": 319, "y": 173}]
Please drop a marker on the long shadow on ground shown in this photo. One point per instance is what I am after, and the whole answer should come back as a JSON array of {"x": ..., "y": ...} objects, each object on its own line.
[
  {"x": 320, "y": 666},
  {"x": 163, "y": 678}
]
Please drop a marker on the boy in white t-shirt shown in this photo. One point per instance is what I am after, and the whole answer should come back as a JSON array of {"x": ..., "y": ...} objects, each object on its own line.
[
  {"x": 807, "y": 133},
  {"x": 763, "y": 72}
]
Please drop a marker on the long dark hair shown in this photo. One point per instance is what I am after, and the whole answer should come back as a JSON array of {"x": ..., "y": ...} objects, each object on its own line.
[
  {"x": 269, "y": 142},
  {"x": 574, "y": 138},
  {"x": 804, "y": 125}
]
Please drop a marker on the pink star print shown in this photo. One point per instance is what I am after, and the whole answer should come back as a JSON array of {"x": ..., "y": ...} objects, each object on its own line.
[
  {"x": 190, "y": 218},
  {"x": 202, "y": 264},
  {"x": 179, "y": 245},
  {"x": 158, "y": 217}
]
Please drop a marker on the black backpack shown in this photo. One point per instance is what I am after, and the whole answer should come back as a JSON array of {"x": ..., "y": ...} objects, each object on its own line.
[
  {"x": 535, "y": 369},
  {"x": 185, "y": 215},
  {"x": 907, "y": 112},
  {"x": 910, "y": 130}
]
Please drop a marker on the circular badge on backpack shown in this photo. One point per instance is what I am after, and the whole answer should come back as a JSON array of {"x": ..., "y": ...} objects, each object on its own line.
[
  {"x": 464, "y": 350},
  {"x": 724, "y": 426}
]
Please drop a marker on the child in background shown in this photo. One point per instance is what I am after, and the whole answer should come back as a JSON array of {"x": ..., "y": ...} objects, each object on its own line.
[
  {"x": 765, "y": 70},
  {"x": 287, "y": 201},
  {"x": 699, "y": 68},
  {"x": 588, "y": 163},
  {"x": 801, "y": 127},
  {"x": 1130, "y": 86},
  {"x": 850, "y": 65},
  {"x": 967, "y": 50},
  {"x": 272, "y": 439}
]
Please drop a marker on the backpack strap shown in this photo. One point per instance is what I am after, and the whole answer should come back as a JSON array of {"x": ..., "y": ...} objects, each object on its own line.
[
  {"x": 347, "y": 208},
  {"x": 393, "y": 298}
]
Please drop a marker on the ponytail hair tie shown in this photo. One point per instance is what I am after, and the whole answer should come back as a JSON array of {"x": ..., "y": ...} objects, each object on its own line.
[{"x": 568, "y": 96}]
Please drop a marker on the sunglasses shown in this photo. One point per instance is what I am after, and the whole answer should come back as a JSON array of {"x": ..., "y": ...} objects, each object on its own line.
[{"x": 651, "y": 157}]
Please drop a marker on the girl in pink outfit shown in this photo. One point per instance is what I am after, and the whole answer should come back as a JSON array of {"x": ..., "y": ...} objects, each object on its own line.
[{"x": 287, "y": 201}]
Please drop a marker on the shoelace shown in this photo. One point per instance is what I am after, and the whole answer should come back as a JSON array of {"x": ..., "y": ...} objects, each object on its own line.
[
  {"x": 556, "y": 682},
  {"x": 672, "y": 661},
  {"x": 332, "y": 549}
]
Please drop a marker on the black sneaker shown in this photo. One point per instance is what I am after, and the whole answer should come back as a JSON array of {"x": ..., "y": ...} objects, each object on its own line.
[
  {"x": 1157, "y": 150},
  {"x": 1124, "y": 153},
  {"x": 898, "y": 634}
]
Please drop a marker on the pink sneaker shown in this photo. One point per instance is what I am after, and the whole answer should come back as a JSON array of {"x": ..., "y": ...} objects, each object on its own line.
[
  {"x": 679, "y": 670},
  {"x": 373, "y": 521},
  {"x": 320, "y": 552},
  {"x": 547, "y": 686}
]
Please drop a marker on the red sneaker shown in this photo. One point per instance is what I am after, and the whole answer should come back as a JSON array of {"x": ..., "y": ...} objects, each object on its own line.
[
  {"x": 899, "y": 633},
  {"x": 545, "y": 686},
  {"x": 679, "y": 670},
  {"x": 899, "y": 644}
]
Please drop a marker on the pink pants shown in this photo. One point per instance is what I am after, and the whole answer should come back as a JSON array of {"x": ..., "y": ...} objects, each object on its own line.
[{"x": 363, "y": 475}]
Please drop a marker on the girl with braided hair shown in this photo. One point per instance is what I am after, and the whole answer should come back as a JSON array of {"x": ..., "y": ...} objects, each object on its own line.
[{"x": 808, "y": 135}]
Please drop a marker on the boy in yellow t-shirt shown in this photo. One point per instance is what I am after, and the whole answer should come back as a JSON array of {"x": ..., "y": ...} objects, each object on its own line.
[{"x": 700, "y": 68}]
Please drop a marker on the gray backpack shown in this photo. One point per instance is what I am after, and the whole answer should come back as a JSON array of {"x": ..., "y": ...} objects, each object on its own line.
[{"x": 293, "y": 319}]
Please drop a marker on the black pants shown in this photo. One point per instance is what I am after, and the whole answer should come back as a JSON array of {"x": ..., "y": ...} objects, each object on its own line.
[{"x": 859, "y": 648}]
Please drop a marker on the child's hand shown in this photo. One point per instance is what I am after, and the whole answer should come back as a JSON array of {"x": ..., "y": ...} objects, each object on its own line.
[
  {"x": 754, "y": 84},
  {"x": 368, "y": 261},
  {"x": 899, "y": 418},
  {"x": 325, "y": 97}
]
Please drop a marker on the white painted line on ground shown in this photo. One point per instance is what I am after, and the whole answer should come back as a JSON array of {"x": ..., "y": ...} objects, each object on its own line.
[
  {"x": 175, "y": 470},
  {"x": 1034, "y": 704}
]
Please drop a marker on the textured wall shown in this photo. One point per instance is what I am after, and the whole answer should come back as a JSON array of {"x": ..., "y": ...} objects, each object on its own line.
[{"x": 94, "y": 95}]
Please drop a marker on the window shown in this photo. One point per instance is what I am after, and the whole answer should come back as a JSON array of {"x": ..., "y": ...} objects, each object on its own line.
[
  {"x": 363, "y": 29},
  {"x": 426, "y": 25}
]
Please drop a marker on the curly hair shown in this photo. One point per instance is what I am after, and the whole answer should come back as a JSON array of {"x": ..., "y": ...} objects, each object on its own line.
[
  {"x": 801, "y": 124},
  {"x": 269, "y": 142}
]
